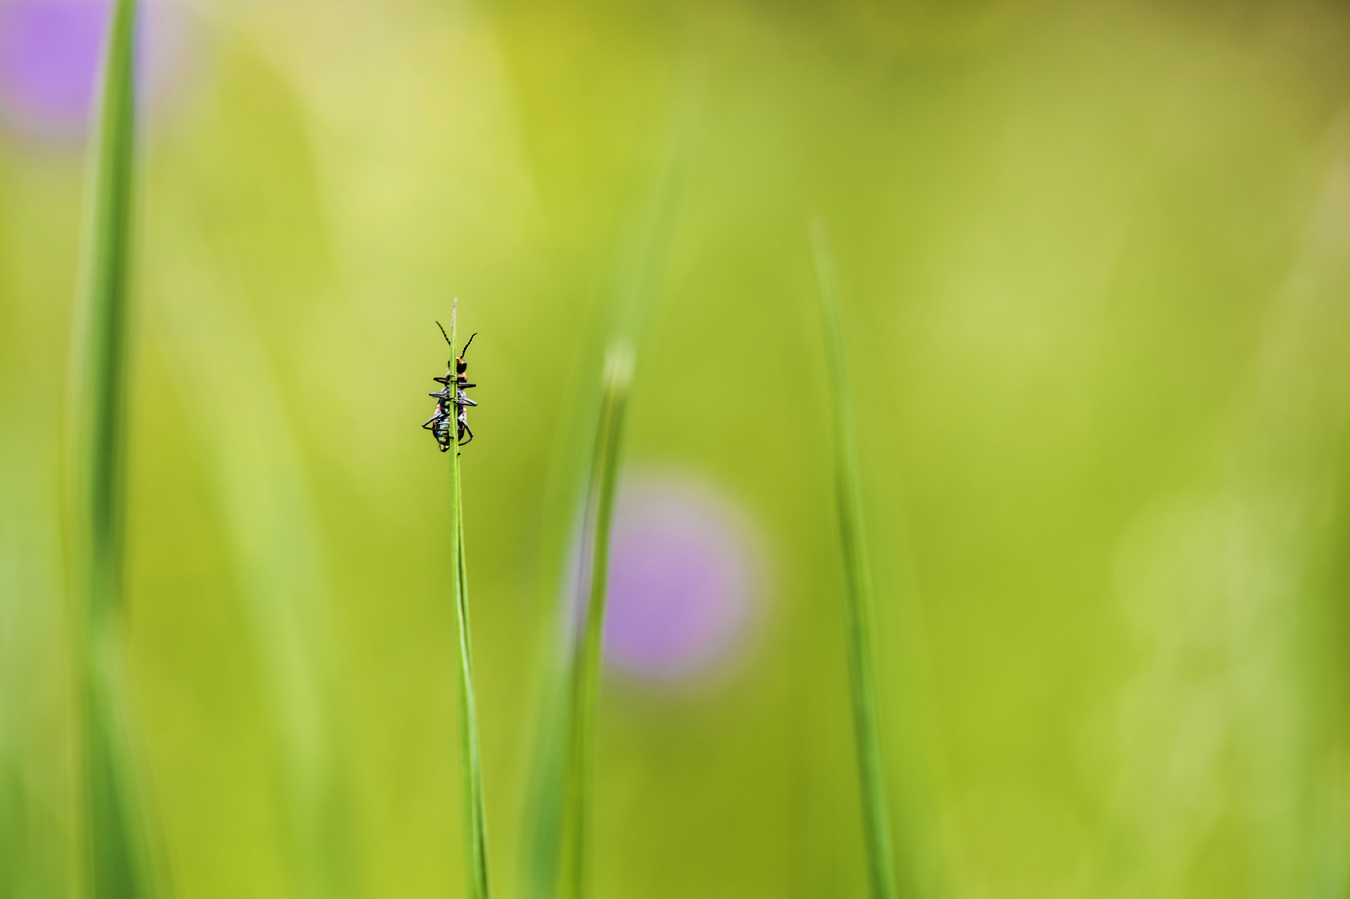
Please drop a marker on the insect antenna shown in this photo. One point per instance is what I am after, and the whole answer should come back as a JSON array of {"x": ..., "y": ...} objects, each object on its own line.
[
  {"x": 447, "y": 336},
  {"x": 466, "y": 344}
]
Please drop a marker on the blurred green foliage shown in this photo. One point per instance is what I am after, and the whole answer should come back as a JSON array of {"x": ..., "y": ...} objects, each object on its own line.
[{"x": 1096, "y": 264}]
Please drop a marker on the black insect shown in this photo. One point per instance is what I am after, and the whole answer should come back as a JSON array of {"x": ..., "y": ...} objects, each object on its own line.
[{"x": 451, "y": 402}]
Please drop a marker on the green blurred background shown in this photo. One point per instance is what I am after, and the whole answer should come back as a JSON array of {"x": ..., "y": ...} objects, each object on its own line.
[{"x": 1096, "y": 267}]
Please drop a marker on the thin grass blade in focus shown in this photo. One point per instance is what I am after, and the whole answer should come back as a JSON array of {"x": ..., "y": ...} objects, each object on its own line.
[
  {"x": 848, "y": 491},
  {"x": 471, "y": 768}
]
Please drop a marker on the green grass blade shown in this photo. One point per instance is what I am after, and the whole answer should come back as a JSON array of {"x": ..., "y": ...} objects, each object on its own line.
[
  {"x": 848, "y": 487},
  {"x": 587, "y": 664},
  {"x": 34, "y": 841},
  {"x": 635, "y": 281},
  {"x": 471, "y": 770},
  {"x": 118, "y": 861},
  {"x": 254, "y": 465}
]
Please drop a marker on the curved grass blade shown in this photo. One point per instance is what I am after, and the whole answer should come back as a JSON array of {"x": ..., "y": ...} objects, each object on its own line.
[
  {"x": 585, "y": 673},
  {"x": 256, "y": 472},
  {"x": 118, "y": 864},
  {"x": 555, "y": 825},
  {"x": 852, "y": 535},
  {"x": 471, "y": 770}
]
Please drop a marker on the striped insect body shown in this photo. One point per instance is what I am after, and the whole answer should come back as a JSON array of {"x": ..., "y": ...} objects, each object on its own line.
[{"x": 452, "y": 403}]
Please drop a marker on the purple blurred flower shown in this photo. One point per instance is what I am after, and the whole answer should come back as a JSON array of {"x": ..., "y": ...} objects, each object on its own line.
[
  {"x": 681, "y": 580},
  {"x": 50, "y": 51}
]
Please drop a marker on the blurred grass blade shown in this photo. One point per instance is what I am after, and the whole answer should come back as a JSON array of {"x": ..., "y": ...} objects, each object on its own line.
[
  {"x": 848, "y": 489},
  {"x": 471, "y": 770},
  {"x": 118, "y": 861},
  {"x": 639, "y": 271},
  {"x": 585, "y": 673},
  {"x": 256, "y": 472},
  {"x": 35, "y": 843}
]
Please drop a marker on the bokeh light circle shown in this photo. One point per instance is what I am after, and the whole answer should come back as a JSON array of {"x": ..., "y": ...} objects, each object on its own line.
[
  {"x": 683, "y": 576},
  {"x": 50, "y": 54}
]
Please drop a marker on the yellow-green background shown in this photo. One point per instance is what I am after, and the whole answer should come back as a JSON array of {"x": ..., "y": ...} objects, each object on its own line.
[{"x": 1096, "y": 265}]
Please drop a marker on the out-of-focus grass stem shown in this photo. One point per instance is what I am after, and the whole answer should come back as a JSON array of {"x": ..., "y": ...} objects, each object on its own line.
[
  {"x": 587, "y": 664},
  {"x": 117, "y": 865},
  {"x": 559, "y": 810},
  {"x": 852, "y": 535},
  {"x": 471, "y": 770}
]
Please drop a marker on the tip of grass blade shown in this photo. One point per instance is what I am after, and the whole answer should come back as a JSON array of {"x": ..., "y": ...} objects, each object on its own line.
[{"x": 619, "y": 363}]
